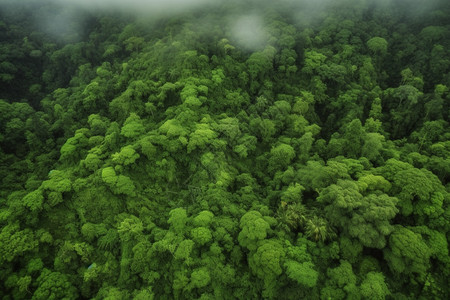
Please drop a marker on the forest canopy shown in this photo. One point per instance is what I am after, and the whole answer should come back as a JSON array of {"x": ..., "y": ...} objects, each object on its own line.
[{"x": 210, "y": 149}]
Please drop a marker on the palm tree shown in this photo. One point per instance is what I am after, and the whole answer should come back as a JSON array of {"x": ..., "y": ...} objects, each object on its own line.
[
  {"x": 291, "y": 216},
  {"x": 318, "y": 229}
]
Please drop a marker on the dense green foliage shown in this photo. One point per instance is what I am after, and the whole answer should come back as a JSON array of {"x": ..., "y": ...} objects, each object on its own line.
[{"x": 169, "y": 158}]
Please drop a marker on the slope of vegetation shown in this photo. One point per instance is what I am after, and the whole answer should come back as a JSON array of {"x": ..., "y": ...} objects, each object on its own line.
[{"x": 168, "y": 158}]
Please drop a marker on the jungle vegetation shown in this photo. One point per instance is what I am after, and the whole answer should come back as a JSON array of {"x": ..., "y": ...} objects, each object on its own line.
[{"x": 238, "y": 150}]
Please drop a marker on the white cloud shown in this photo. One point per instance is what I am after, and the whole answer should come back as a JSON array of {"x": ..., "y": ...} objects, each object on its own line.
[
  {"x": 146, "y": 6},
  {"x": 248, "y": 31}
]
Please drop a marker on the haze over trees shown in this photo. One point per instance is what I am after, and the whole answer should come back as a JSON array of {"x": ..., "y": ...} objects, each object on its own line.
[{"x": 236, "y": 150}]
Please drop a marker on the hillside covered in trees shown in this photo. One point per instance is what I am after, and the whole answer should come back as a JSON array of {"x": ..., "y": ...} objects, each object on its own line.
[{"x": 224, "y": 149}]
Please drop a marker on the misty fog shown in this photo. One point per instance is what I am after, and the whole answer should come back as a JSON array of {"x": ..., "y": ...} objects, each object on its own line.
[{"x": 243, "y": 19}]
